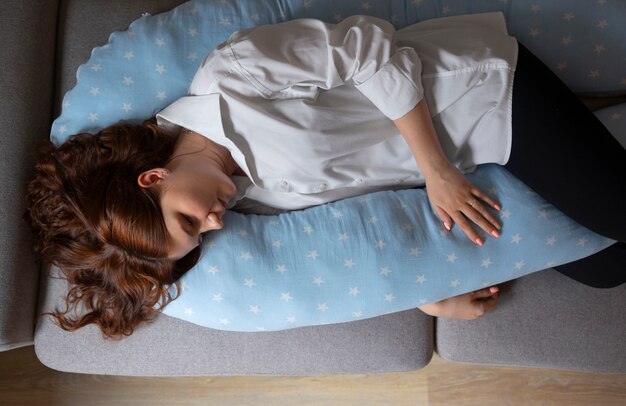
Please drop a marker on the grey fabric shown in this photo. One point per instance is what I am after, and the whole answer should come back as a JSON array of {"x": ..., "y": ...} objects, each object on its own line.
[
  {"x": 171, "y": 347},
  {"x": 544, "y": 320},
  {"x": 27, "y": 32}
]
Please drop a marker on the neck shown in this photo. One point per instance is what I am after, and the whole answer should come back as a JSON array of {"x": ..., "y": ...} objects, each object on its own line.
[{"x": 192, "y": 146}]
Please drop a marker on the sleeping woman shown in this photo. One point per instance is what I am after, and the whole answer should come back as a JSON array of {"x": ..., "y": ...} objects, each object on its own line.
[{"x": 302, "y": 113}]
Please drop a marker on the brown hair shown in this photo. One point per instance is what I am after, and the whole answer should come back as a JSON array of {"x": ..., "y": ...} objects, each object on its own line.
[{"x": 107, "y": 235}]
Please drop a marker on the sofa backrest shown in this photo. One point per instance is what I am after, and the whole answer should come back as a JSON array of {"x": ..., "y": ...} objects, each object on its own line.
[{"x": 27, "y": 40}]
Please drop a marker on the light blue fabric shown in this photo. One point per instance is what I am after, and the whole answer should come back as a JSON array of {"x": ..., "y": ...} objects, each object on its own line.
[
  {"x": 368, "y": 256},
  {"x": 361, "y": 257},
  {"x": 150, "y": 65}
]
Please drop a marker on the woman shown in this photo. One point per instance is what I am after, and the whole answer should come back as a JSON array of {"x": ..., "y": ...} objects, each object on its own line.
[{"x": 302, "y": 113}]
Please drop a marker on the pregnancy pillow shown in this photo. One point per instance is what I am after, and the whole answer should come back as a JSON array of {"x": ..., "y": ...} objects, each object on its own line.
[{"x": 357, "y": 258}]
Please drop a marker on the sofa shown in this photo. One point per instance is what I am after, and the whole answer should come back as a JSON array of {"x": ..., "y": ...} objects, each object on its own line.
[{"x": 543, "y": 319}]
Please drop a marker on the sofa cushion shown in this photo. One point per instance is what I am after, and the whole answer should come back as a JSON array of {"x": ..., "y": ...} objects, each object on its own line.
[
  {"x": 172, "y": 347},
  {"x": 398, "y": 342},
  {"x": 544, "y": 320}
]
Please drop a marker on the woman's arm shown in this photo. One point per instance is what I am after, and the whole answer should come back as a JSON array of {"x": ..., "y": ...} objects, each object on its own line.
[{"x": 453, "y": 197}]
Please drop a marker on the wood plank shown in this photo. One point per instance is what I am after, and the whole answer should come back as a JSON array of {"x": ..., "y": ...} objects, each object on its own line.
[{"x": 25, "y": 381}]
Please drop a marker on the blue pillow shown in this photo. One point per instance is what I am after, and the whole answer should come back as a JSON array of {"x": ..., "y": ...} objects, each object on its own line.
[
  {"x": 367, "y": 256},
  {"x": 142, "y": 70},
  {"x": 352, "y": 259}
]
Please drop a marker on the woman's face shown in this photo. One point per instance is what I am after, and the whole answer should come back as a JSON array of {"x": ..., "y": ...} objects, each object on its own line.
[{"x": 193, "y": 199}]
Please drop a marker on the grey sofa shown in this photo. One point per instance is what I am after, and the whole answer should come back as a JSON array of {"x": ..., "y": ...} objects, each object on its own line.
[{"x": 543, "y": 319}]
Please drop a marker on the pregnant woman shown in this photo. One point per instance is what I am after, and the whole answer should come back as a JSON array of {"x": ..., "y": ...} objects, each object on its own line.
[{"x": 297, "y": 114}]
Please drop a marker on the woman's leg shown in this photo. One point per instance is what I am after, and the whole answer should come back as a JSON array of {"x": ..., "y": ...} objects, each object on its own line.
[{"x": 562, "y": 151}]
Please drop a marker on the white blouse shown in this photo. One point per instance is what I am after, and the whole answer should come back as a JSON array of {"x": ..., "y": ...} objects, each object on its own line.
[{"x": 306, "y": 107}]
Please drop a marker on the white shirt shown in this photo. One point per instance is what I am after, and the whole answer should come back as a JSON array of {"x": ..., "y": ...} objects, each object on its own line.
[{"x": 306, "y": 107}]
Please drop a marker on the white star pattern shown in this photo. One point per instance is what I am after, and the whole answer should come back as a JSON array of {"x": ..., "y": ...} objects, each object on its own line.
[
  {"x": 408, "y": 227},
  {"x": 348, "y": 263},
  {"x": 582, "y": 242},
  {"x": 189, "y": 311},
  {"x": 192, "y": 32},
  {"x": 213, "y": 270},
  {"x": 337, "y": 214},
  {"x": 454, "y": 283},
  {"x": 385, "y": 271},
  {"x": 519, "y": 265},
  {"x": 94, "y": 91},
  {"x": 129, "y": 55},
  {"x": 291, "y": 319},
  {"x": 543, "y": 214},
  {"x": 551, "y": 240},
  {"x": 354, "y": 291},
  {"x": 277, "y": 243},
  {"x": 128, "y": 80},
  {"x": 322, "y": 307},
  {"x": 192, "y": 56},
  {"x": 486, "y": 263},
  {"x": 254, "y": 309},
  {"x": 218, "y": 298},
  {"x": 516, "y": 239},
  {"x": 420, "y": 279},
  {"x": 569, "y": 16},
  {"x": 159, "y": 42},
  {"x": 160, "y": 69},
  {"x": 415, "y": 251},
  {"x": 308, "y": 229},
  {"x": 224, "y": 321},
  {"x": 127, "y": 107},
  {"x": 380, "y": 244},
  {"x": 389, "y": 298},
  {"x": 93, "y": 117},
  {"x": 372, "y": 220},
  {"x": 246, "y": 256},
  {"x": 318, "y": 281},
  {"x": 281, "y": 268},
  {"x": 249, "y": 283},
  {"x": 343, "y": 237},
  {"x": 452, "y": 258},
  {"x": 313, "y": 254},
  {"x": 506, "y": 214},
  {"x": 286, "y": 296},
  {"x": 96, "y": 67},
  {"x": 161, "y": 95}
]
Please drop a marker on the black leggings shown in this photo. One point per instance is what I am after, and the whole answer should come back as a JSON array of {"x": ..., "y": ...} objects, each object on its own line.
[{"x": 562, "y": 151}]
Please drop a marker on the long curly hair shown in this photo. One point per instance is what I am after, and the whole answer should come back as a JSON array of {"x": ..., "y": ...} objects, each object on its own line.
[{"x": 106, "y": 233}]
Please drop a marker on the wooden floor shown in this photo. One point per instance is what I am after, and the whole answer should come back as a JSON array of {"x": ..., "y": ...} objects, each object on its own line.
[{"x": 25, "y": 381}]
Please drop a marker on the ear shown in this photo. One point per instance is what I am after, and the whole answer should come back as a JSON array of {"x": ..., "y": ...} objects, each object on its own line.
[{"x": 152, "y": 177}]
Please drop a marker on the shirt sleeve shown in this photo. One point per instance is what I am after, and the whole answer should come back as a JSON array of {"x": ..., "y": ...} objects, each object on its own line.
[{"x": 297, "y": 57}]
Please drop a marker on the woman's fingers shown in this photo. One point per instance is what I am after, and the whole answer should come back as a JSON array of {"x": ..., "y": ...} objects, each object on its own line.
[
  {"x": 444, "y": 217},
  {"x": 460, "y": 219}
]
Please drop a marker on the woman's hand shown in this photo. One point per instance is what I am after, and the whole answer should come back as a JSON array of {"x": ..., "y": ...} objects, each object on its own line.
[
  {"x": 456, "y": 200},
  {"x": 468, "y": 306}
]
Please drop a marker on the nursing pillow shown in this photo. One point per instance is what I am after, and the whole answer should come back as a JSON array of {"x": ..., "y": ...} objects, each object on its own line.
[{"x": 360, "y": 257}]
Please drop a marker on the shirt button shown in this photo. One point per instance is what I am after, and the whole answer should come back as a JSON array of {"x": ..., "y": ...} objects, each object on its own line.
[
  {"x": 322, "y": 186},
  {"x": 284, "y": 184},
  {"x": 358, "y": 181},
  {"x": 398, "y": 181}
]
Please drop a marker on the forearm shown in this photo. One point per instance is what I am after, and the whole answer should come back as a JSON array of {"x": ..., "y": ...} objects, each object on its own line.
[{"x": 417, "y": 129}]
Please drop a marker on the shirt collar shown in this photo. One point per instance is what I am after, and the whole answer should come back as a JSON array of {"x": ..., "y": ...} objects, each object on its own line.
[{"x": 201, "y": 114}]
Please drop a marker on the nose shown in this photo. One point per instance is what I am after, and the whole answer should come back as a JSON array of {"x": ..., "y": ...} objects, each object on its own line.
[{"x": 212, "y": 222}]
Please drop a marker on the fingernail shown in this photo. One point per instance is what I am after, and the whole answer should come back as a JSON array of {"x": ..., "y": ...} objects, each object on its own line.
[
  {"x": 495, "y": 233},
  {"x": 497, "y": 206},
  {"x": 446, "y": 225},
  {"x": 479, "y": 241},
  {"x": 493, "y": 289}
]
